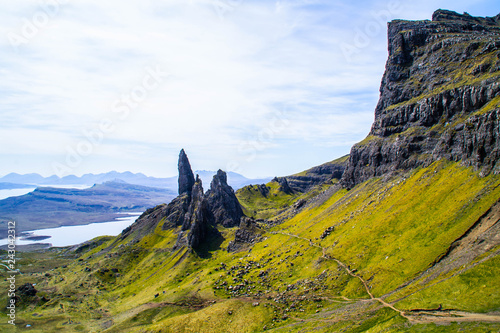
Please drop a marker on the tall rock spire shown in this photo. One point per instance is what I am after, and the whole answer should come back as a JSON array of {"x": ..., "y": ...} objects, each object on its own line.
[
  {"x": 196, "y": 212},
  {"x": 224, "y": 207},
  {"x": 186, "y": 176},
  {"x": 197, "y": 227},
  {"x": 196, "y": 218}
]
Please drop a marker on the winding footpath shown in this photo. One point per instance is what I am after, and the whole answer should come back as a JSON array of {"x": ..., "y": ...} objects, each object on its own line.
[{"x": 420, "y": 317}]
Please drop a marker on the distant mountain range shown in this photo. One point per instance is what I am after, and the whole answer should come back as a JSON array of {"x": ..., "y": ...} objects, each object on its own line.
[
  {"x": 49, "y": 207},
  {"x": 15, "y": 180},
  {"x": 110, "y": 194}
]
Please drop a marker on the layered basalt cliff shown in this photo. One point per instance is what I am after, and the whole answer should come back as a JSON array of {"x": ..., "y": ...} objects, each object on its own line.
[
  {"x": 317, "y": 175},
  {"x": 439, "y": 98}
]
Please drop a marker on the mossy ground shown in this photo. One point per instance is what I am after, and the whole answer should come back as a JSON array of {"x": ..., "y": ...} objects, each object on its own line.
[
  {"x": 386, "y": 233},
  {"x": 276, "y": 203},
  {"x": 262, "y": 206}
]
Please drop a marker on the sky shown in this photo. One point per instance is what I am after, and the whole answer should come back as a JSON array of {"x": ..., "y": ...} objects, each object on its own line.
[{"x": 263, "y": 88}]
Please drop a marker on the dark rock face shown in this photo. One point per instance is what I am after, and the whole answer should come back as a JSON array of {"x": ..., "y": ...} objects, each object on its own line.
[
  {"x": 197, "y": 207},
  {"x": 284, "y": 187},
  {"x": 175, "y": 211},
  {"x": 186, "y": 176},
  {"x": 146, "y": 223},
  {"x": 317, "y": 175},
  {"x": 219, "y": 206},
  {"x": 196, "y": 212},
  {"x": 248, "y": 233},
  {"x": 438, "y": 98},
  {"x": 223, "y": 205},
  {"x": 448, "y": 15},
  {"x": 196, "y": 219},
  {"x": 264, "y": 190}
]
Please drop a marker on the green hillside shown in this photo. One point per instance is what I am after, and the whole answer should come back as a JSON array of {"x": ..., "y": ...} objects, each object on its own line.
[
  {"x": 402, "y": 235},
  {"x": 381, "y": 260}
]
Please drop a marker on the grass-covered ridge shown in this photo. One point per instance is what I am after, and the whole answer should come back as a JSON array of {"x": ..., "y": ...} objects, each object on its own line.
[
  {"x": 264, "y": 201},
  {"x": 270, "y": 201},
  {"x": 267, "y": 201},
  {"x": 328, "y": 268}
]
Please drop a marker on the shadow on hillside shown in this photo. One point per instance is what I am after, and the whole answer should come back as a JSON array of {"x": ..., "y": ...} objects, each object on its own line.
[{"x": 205, "y": 250}]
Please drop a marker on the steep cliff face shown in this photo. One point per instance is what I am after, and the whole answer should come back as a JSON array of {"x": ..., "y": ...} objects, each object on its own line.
[
  {"x": 194, "y": 212},
  {"x": 197, "y": 226},
  {"x": 304, "y": 181},
  {"x": 224, "y": 208},
  {"x": 186, "y": 176},
  {"x": 439, "y": 98}
]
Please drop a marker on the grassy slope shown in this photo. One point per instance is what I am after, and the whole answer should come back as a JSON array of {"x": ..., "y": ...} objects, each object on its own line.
[
  {"x": 388, "y": 231},
  {"x": 276, "y": 202},
  {"x": 394, "y": 231},
  {"x": 256, "y": 205}
]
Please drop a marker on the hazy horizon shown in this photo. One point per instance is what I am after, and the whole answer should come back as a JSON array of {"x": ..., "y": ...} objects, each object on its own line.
[
  {"x": 259, "y": 88},
  {"x": 121, "y": 172}
]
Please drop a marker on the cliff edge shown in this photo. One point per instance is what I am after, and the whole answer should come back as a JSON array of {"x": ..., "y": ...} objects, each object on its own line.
[{"x": 439, "y": 98}]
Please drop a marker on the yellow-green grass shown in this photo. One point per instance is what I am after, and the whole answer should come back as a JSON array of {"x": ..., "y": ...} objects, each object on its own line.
[
  {"x": 475, "y": 290},
  {"x": 389, "y": 231},
  {"x": 256, "y": 205},
  {"x": 232, "y": 316}
]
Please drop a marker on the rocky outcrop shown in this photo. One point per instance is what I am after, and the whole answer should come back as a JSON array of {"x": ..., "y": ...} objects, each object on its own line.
[
  {"x": 224, "y": 208},
  {"x": 176, "y": 211},
  {"x": 248, "y": 233},
  {"x": 219, "y": 206},
  {"x": 25, "y": 295},
  {"x": 442, "y": 15},
  {"x": 186, "y": 176},
  {"x": 197, "y": 226},
  {"x": 27, "y": 290},
  {"x": 284, "y": 187},
  {"x": 318, "y": 175},
  {"x": 146, "y": 223},
  {"x": 196, "y": 212},
  {"x": 262, "y": 188},
  {"x": 439, "y": 98},
  {"x": 174, "y": 214},
  {"x": 197, "y": 207}
]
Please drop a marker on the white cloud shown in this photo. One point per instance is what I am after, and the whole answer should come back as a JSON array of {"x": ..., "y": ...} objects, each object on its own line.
[{"x": 231, "y": 73}]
